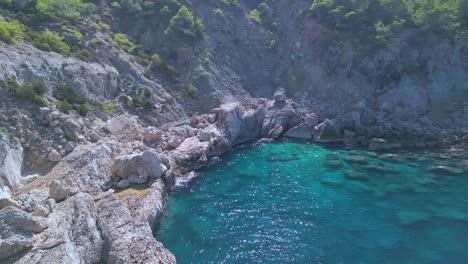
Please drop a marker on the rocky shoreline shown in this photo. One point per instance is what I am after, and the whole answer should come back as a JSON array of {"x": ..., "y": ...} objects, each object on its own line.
[{"x": 103, "y": 196}]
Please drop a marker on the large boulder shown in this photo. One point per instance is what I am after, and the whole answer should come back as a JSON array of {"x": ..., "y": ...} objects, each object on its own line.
[
  {"x": 152, "y": 134},
  {"x": 14, "y": 217},
  {"x": 238, "y": 124},
  {"x": 327, "y": 131},
  {"x": 144, "y": 165},
  {"x": 280, "y": 116},
  {"x": 61, "y": 190},
  {"x": 280, "y": 95},
  {"x": 11, "y": 160},
  {"x": 125, "y": 127},
  {"x": 302, "y": 131},
  {"x": 54, "y": 156},
  {"x": 378, "y": 144}
]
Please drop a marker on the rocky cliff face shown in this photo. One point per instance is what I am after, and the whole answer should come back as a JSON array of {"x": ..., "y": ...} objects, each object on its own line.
[{"x": 88, "y": 186}]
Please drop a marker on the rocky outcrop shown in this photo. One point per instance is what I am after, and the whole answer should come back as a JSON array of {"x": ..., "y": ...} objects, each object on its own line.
[
  {"x": 17, "y": 229},
  {"x": 280, "y": 116},
  {"x": 126, "y": 240},
  {"x": 73, "y": 235},
  {"x": 11, "y": 162},
  {"x": 302, "y": 131}
]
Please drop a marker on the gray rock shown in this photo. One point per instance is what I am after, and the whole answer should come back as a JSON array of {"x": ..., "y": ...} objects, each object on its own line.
[
  {"x": 11, "y": 160},
  {"x": 280, "y": 95},
  {"x": 40, "y": 210},
  {"x": 54, "y": 156},
  {"x": 12, "y": 216},
  {"x": 280, "y": 116},
  {"x": 60, "y": 190},
  {"x": 134, "y": 179},
  {"x": 152, "y": 134},
  {"x": 378, "y": 144},
  {"x": 72, "y": 128},
  {"x": 327, "y": 131},
  {"x": 302, "y": 131},
  {"x": 311, "y": 119},
  {"x": 69, "y": 146},
  {"x": 94, "y": 136},
  {"x": 204, "y": 136},
  {"x": 145, "y": 165},
  {"x": 122, "y": 183},
  {"x": 333, "y": 164},
  {"x": 72, "y": 237},
  {"x": 349, "y": 138},
  {"x": 150, "y": 165}
]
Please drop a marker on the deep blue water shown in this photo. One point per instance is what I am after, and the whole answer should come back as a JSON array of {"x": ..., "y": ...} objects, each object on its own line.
[{"x": 279, "y": 203}]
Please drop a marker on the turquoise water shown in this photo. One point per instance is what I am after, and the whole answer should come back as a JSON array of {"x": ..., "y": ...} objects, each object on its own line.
[{"x": 280, "y": 203}]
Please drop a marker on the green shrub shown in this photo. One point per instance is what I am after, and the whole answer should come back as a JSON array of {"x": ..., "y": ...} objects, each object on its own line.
[
  {"x": 65, "y": 106},
  {"x": 136, "y": 100},
  {"x": 68, "y": 9},
  {"x": 107, "y": 108},
  {"x": 40, "y": 100},
  {"x": 219, "y": 12},
  {"x": 123, "y": 42},
  {"x": 83, "y": 109},
  {"x": 25, "y": 91},
  {"x": 148, "y": 104},
  {"x": 156, "y": 60},
  {"x": 51, "y": 41},
  {"x": 39, "y": 87},
  {"x": 28, "y": 91},
  {"x": 66, "y": 92},
  {"x": 165, "y": 11},
  {"x": 184, "y": 24},
  {"x": 12, "y": 31}
]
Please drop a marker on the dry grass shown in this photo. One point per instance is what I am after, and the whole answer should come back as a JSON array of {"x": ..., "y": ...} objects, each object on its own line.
[{"x": 141, "y": 190}]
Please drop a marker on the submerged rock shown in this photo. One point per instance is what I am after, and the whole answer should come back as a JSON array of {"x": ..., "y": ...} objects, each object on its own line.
[
  {"x": 379, "y": 169},
  {"x": 355, "y": 175},
  {"x": 445, "y": 170},
  {"x": 356, "y": 159},
  {"x": 333, "y": 164}
]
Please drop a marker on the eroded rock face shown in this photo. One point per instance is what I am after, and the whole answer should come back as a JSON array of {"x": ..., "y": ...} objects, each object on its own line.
[
  {"x": 302, "y": 131},
  {"x": 127, "y": 241},
  {"x": 17, "y": 229},
  {"x": 72, "y": 237},
  {"x": 11, "y": 159},
  {"x": 280, "y": 116}
]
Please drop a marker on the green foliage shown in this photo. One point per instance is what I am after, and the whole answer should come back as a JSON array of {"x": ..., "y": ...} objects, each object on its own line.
[
  {"x": 157, "y": 64},
  {"x": 148, "y": 104},
  {"x": 219, "y": 12},
  {"x": 107, "y": 108},
  {"x": 65, "y": 106},
  {"x": 51, "y": 41},
  {"x": 380, "y": 17},
  {"x": 56, "y": 9},
  {"x": 39, "y": 87},
  {"x": 66, "y": 92},
  {"x": 29, "y": 91},
  {"x": 123, "y": 42},
  {"x": 83, "y": 109},
  {"x": 156, "y": 60},
  {"x": 165, "y": 11},
  {"x": 11, "y": 31},
  {"x": 184, "y": 24},
  {"x": 264, "y": 16}
]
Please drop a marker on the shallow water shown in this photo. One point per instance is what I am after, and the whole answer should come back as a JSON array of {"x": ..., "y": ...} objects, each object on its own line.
[{"x": 279, "y": 203}]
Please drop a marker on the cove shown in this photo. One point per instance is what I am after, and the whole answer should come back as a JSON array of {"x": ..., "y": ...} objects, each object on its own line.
[{"x": 294, "y": 202}]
